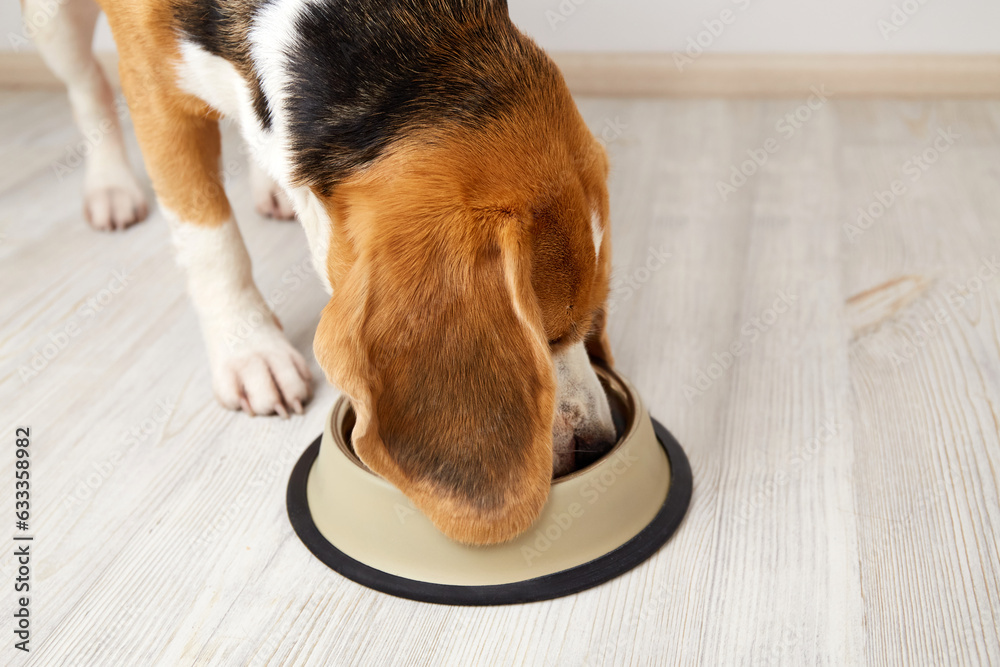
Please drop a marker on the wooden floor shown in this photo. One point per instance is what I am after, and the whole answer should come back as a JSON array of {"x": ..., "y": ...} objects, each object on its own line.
[{"x": 845, "y": 461}]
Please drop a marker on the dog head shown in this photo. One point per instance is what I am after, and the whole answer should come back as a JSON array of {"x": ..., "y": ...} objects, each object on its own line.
[{"x": 470, "y": 266}]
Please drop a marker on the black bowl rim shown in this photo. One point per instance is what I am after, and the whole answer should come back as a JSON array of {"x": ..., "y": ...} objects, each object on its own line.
[{"x": 558, "y": 584}]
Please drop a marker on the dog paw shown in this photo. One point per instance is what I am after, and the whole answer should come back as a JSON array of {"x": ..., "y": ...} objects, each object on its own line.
[
  {"x": 109, "y": 208},
  {"x": 269, "y": 198},
  {"x": 262, "y": 376},
  {"x": 274, "y": 204}
]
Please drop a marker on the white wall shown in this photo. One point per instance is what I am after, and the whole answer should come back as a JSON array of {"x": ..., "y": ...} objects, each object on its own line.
[
  {"x": 825, "y": 26},
  {"x": 817, "y": 26}
]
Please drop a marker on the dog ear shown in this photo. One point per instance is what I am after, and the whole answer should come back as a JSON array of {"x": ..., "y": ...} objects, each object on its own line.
[
  {"x": 444, "y": 357},
  {"x": 597, "y": 342}
]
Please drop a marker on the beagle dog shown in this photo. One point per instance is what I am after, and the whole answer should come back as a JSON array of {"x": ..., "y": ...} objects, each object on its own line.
[{"x": 455, "y": 205}]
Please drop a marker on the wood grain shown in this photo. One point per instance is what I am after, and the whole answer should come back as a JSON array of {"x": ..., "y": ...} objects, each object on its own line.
[{"x": 845, "y": 460}]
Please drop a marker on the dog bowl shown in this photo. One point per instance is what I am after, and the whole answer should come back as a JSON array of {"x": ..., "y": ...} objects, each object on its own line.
[{"x": 599, "y": 521}]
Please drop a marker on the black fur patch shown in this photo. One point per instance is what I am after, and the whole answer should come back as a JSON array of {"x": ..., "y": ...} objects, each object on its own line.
[
  {"x": 222, "y": 28},
  {"x": 365, "y": 72}
]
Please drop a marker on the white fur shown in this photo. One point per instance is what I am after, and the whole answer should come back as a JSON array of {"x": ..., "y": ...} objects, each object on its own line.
[
  {"x": 318, "y": 227},
  {"x": 253, "y": 365},
  {"x": 215, "y": 81},
  {"x": 582, "y": 408},
  {"x": 580, "y": 391},
  {"x": 272, "y": 38},
  {"x": 113, "y": 198},
  {"x": 218, "y": 265},
  {"x": 510, "y": 276},
  {"x": 597, "y": 229}
]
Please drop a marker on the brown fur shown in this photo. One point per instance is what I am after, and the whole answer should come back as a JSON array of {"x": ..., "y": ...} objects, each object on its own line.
[
  {"x": 178, "y": 133},
  {"x": 458, "y": 262},
  {"x": 455, "y": 261}
]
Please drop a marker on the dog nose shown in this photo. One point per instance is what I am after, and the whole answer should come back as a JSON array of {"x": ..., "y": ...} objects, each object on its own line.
[
  {"x": 591, "y": 444},
  {"x": 580, "y": 435}
]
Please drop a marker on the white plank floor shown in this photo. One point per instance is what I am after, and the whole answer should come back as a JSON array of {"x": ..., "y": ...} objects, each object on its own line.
[{"x": 846, "y": 462}]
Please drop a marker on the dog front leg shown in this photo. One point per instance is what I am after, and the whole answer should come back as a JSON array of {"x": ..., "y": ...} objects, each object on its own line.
[{"x": 254, "y": 367}]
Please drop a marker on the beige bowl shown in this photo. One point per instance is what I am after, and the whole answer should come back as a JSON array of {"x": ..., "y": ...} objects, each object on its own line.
[{"x": 598, "y": 522}]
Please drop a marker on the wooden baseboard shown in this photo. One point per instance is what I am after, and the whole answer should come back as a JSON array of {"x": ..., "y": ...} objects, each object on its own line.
[
  {"x": 775, "y": 75},
  {"x": 710, "y": 75},
  {"x": 26, "y": 69}
]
